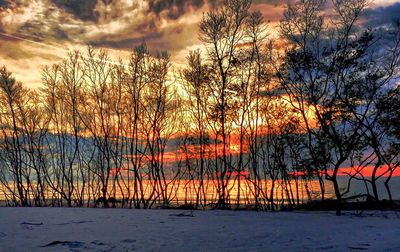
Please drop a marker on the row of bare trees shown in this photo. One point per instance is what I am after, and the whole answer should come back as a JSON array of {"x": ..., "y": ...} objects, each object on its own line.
[{"x": 251, "y": 120}]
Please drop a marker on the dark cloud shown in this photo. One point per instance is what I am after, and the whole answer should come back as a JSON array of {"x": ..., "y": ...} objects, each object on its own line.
[
  {"x": 108, "y": 2},
  {"x": 81, "y": 9},
  {"x": 44, "y": 27},
  {"x": 382, "y": 16},
  {"x": 7, "y": 4},
  {"x": 60, "y": 34},
  {"x": 173, "y": 8},
  {"x": 127, "y": 43},
  {"x": 11, "y": 4},
  {"x": 4, "y": 3}
]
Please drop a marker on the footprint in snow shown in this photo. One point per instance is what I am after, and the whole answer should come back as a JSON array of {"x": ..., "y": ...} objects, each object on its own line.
[
  {"x": 129, "y": 241},
  {"x": 69, "y": 244},
  {"x": 326, "y": 247},
  {"x": 98, "y": 243},
  {"x": 100, "y": 246},
  {"x": 129, "y": 244},
  {"x": 32, "y": 223},
  {"x": 361, "y": 247}
]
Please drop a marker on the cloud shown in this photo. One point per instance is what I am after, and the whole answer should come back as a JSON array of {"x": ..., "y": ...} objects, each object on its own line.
[
  {"x": 4, "y": 4},
  {"x": 173, "y": 9},
  {"x": 120, "y": 25},
  {"x": 125, "y": 43},
  {"x": 382, "y": 16},
  {"x": 26, "y": 59},
  {"x": 83, "y": 10},
  {"x": 11, "y": 50},
  {"x": 11, "y": 4},
  {"x": 114, "y": 24}
]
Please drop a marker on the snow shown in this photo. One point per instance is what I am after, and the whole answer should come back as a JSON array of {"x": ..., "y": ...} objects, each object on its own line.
[{"x": 82, "y": 229}]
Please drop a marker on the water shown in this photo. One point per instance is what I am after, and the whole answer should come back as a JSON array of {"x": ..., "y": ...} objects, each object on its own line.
[
  {"x": 178, "y": 191},
  {"x": 187, "y": 191}
]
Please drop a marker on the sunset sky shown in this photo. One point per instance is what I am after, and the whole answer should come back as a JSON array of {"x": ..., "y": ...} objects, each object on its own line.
[{"x": 35, "y": 33}]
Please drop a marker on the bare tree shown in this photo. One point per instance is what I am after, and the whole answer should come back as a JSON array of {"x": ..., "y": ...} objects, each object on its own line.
[
  {"x": 11, "y": 97},
  {"x": 329, "y": 70}
]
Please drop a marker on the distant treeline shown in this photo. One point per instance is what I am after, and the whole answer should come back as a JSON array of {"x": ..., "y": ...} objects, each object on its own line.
[{"x": 249, "y": 109}]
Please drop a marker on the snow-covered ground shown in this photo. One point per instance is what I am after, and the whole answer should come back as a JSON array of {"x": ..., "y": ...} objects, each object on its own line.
[{"x": 77, "y": 229}]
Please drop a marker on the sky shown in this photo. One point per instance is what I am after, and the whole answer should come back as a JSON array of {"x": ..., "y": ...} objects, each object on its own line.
[{"x": 36, "y": 33}]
